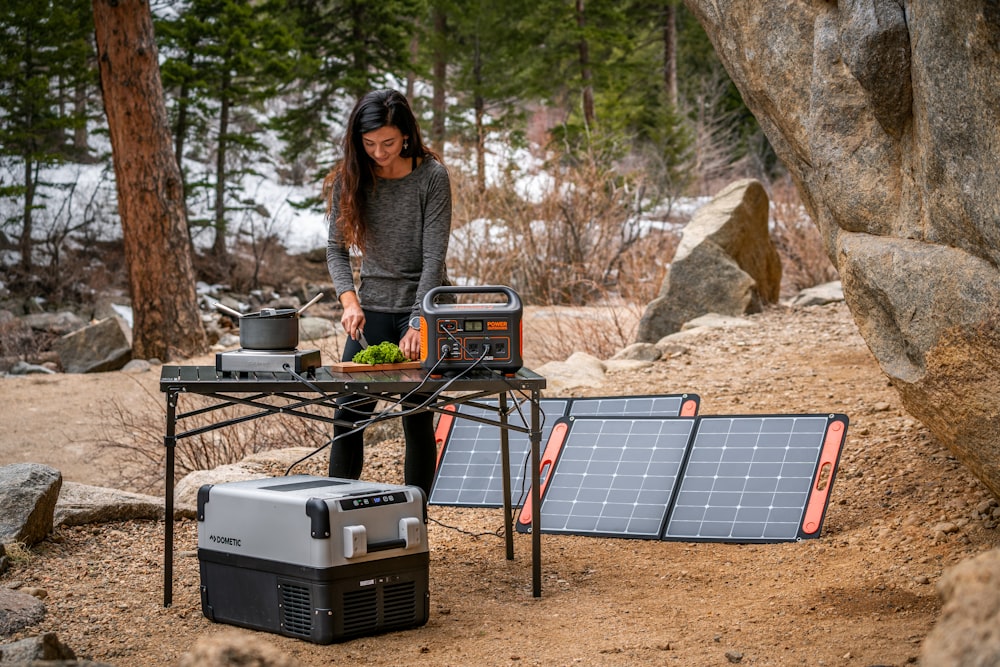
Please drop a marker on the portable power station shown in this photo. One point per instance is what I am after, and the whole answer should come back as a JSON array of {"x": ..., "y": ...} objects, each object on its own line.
[{"x": 455, "y": 335}]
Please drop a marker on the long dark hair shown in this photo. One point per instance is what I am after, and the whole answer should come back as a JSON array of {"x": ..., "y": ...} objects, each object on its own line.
[{"x": 356, "y": 171}]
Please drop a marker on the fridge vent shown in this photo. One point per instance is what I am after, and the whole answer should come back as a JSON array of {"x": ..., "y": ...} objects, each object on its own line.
[
  {"x": 296, "y": 610},
  {"x": 360, "y": 611},
  {"x": 399, "y": 604}
]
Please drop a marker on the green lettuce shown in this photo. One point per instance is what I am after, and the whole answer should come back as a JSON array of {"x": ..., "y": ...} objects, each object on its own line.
[{"x": 383, "y": 353}]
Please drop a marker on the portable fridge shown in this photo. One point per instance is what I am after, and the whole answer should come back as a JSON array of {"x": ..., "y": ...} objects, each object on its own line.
[{"x": 317, "y": 558}]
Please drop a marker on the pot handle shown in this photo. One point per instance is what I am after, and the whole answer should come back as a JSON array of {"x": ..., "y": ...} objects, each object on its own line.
[
  {"x": 311, "y": 302},
  {"x": 227, "y": 309}
]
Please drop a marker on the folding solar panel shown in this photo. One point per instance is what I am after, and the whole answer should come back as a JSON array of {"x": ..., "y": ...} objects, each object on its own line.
[
  {"x": 470, "y": 468},
  {"x": 756, "y": 478},
  {"x": 610, "y": 476},
  {"x": 716, "y": 478}
]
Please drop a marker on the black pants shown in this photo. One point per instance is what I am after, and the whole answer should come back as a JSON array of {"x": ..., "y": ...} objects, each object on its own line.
[{"x": 348, "y": 451}]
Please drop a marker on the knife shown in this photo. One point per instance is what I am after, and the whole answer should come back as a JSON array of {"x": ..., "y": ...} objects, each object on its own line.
[{"x": 362, "y": 340}]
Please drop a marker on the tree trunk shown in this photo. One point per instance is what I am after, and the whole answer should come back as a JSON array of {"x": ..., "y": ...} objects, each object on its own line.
[
  {"x": 480, "y": 111},
  {"x": 167, "y": 324},
  {"x": 411, "y": 76},
  {"x": 219, "y": 247},
  {"x": 80, "y": 147},
  {"x": 670, "y": 51},
  {"x": 585, "y": 73},
  {"x": 438, "y": 76},
  {"x": 26, "y": 245}
]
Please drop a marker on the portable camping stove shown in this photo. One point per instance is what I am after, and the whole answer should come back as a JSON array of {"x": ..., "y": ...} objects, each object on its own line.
[{"x": 245, "y": 360}]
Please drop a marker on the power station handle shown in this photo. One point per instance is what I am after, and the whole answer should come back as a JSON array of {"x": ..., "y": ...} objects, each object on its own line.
[{"x": 429, "y": 303}]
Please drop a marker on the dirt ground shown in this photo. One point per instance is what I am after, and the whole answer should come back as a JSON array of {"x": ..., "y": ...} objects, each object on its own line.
[{"x": 902, "y": 510}]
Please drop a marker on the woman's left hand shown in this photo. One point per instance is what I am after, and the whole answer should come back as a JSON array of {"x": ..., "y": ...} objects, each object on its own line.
[{"x": 410, "y": 344}]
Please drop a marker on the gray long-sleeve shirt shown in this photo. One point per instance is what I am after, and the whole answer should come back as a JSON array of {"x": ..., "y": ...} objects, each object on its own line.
[{"x": 409, "y": 223}]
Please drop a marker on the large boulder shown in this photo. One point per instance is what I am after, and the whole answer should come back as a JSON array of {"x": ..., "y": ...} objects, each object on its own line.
[
  {"x": 28, "y": 494},
  {"x": 579, "y": 370},
  {"x": 315, "y": 328},
  {"x": 103, "y": 346},
  {"x": 59, "y": 324},
  {"x": 968, "y": 632},
  {"x": 82, "y": 504},
  {"x": 885, "y": 113},
  {"x": 725, "y": 263},
  {"x": 254, "y": 466}
]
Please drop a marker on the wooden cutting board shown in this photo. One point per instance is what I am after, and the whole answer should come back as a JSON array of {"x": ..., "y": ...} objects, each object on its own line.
[{"x": 352, "y": 367}]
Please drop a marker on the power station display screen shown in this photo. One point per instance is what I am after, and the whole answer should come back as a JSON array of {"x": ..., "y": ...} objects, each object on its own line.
[{"x": 473, "y": 325}]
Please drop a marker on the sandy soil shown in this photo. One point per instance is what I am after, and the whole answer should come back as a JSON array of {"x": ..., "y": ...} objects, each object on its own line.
[{"x": 902, "y": 510}]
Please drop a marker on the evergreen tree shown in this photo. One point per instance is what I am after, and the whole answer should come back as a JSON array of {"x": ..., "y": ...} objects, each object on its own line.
[
  {"x": 44, "y": 64},
  {"x": 226, "y": 59},
  {"x": 479, "y": 50},
  {"x": 344, "y": 48}
]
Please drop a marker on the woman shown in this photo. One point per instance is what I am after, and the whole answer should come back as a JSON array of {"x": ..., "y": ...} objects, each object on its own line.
[{"x": 390, "y": 199}]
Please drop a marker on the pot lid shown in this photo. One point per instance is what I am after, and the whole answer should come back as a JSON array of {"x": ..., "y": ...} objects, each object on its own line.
[{"x": 268, "y": 313}]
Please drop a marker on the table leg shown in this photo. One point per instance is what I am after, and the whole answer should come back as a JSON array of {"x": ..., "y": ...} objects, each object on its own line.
[
  {"x": 536, "y": 508},
  {"x": 169, "y": 442},
  {"x": 508, "y": 512}
]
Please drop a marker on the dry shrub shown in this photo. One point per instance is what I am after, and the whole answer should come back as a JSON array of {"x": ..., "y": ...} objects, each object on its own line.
[
  {"x": 136, "y": 438},
  {"x": 804, "y": 260},
  {"x": 18, "y": 553},
  {"x": 252, "y": 265},
  {"x": 71, "y": 272},
  {"x": 578, "y": 240},
  {"x": 17, "y": 339},
  {"x": 553, "y": 333}
]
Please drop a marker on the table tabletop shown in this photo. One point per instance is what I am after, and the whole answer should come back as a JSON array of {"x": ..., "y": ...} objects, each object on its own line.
[{"x": 206, "y": 379}]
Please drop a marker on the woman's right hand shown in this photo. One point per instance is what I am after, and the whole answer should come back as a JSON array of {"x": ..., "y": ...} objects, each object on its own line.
[{"x": 353, "y": 319}]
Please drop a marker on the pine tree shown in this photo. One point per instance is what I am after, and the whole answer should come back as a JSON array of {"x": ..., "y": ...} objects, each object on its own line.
[
  {"x": 226, "y": 59},
  {"x": 43, "y": 66},
  {"x": 344, "y": 49}
]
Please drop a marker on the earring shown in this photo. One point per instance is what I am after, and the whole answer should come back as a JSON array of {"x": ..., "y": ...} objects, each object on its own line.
[{"x": 406, "y": 144}]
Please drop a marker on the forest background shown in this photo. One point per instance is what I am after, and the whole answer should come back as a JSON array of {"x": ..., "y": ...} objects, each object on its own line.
[{"x": 577, "y": 133}]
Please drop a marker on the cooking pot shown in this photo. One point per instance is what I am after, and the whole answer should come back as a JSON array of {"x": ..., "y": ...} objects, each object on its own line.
[{"x": 271, "y": 328}]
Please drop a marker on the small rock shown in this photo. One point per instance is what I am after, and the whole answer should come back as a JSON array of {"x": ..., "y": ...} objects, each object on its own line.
[
  {"x": 24, "y": 368},
  {"x": 984, "y": 507},
  {"x": 945, "y": 527},
  {"x": 39, "y": 593},
  {"x": 734, "y": 657},
  {"x": 136, "y": 366}
]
